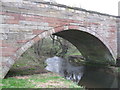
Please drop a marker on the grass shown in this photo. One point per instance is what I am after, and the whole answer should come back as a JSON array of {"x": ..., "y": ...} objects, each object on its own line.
[
  {"x": 16, "y": 83},
  {"x": 46, "y": 80},
  {"x": 52, "y": 80}
]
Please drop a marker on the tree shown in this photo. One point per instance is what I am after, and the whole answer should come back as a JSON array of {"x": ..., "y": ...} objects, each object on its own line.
[{"x": 49, "y": 47}]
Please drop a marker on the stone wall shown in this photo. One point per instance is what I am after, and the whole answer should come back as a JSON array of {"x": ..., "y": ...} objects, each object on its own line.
[{"x": 24, "y": 23}]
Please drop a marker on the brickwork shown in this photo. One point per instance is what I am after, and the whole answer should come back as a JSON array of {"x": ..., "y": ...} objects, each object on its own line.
[{"x": 23, "y": 24}]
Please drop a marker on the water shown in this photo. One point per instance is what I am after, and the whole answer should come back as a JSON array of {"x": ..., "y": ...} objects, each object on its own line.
[{"x": 83, "y": 75}]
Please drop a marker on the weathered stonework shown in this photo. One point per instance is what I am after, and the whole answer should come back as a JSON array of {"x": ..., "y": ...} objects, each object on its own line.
[{"x": 23, "y": 24}]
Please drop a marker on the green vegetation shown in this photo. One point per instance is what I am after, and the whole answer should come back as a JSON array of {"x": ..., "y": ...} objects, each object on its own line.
[
  {"x": 16, "y": 83},
  {"x": 46, "y": 80}
]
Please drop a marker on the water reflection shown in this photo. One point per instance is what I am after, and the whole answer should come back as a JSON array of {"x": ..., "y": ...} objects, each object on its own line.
[
  {"x": 86, "y": 76},
  {"x": 99, "y": 78}
]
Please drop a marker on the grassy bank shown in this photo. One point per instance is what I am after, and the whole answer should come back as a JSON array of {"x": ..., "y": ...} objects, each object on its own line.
[{"x": 45, "y": 80}]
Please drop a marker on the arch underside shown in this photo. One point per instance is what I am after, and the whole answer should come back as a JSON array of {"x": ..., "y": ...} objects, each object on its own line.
[{"x": 92, "y": 49}]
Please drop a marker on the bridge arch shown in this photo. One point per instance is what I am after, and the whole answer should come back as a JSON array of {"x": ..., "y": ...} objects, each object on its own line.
[{"x": 91, "y": 47}]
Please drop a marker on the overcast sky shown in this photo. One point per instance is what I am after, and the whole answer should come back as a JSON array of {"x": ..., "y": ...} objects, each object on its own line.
[{"x": 103, "y": 6}]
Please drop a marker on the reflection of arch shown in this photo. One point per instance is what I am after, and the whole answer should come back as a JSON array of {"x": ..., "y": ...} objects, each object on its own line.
[{"x": 72, "y": 34}]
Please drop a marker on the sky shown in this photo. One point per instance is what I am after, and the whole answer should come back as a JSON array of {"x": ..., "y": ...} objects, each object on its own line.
[{"x": 103, "y": 6}]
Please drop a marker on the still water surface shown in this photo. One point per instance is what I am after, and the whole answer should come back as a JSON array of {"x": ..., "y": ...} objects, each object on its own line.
[{"x": 83, "y": 75}]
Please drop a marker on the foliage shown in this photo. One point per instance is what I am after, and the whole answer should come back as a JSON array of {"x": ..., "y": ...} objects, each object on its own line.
[{"x": 49, "y": 47}]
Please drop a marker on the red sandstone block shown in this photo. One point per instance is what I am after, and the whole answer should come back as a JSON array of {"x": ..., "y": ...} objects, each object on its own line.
[
  {"x": 2, "y": 13},
  {"x": 95, "y": 23},
  {"x": 12, "y": 21},
  {"x": 31, "y": 19},
  {"x": 57, "y": 20},
  {"x": 53, "y": 24},
  {"x": 90, "y": 23},
  {"x": 76, "y": 21},
  {"x": 22, "y": 17},
  {"x": 63, "y": 23},
  {"x": 57, "y": 29},
  {"x": 112, "y": 30},
  {"x": 1, "y": 42},
  {"x": 51, "y": 20},
  {"x": 7, "y": 54},
  {"x": 22, "y": 41},
  {"x": 27, "y": 18},
  {"x": 15, "y": 15},
  {"x": 69, "y": 21},
  {"x": 73, "y": 27},
  {"x": 5, "y": 45},
  {"x": 44, "y": 19},
  {"x": 9, "y": 49},
  {"x": 37, "y": 31}
]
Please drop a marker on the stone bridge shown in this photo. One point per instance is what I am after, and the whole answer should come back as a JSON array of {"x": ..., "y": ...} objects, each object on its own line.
[{"x": 22, "y": 24}]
